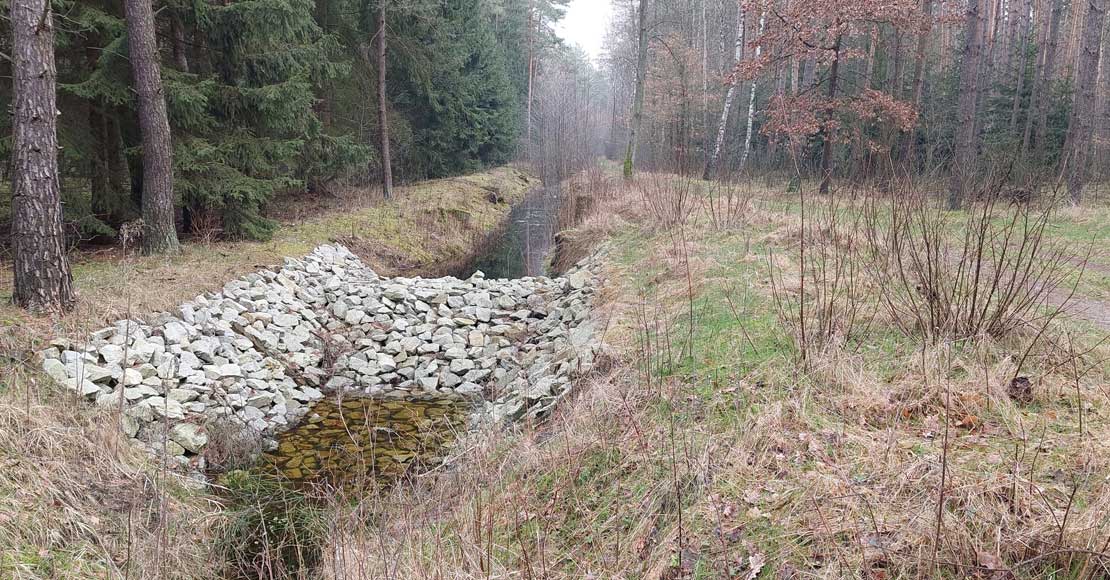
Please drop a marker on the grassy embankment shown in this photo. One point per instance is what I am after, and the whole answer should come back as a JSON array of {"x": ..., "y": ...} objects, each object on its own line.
[
  {"x": 712, "y": 450},
  {"x": 75, "y": 500}
]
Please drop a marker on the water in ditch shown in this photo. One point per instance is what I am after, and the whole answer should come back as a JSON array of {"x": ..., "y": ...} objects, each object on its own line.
[
  {"x": 349, "y": 442},
  {"x": 522, "y": 246},
  {"x": 359, "y": 439},
  {"x": 358, "y": 442}
]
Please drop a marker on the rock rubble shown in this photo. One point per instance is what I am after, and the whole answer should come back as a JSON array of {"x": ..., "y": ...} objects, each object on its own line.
[{"x": 269, "y": 345}]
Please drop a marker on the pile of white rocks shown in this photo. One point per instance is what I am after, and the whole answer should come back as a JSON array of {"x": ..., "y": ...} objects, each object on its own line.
[{"x": 263, "y": 350}]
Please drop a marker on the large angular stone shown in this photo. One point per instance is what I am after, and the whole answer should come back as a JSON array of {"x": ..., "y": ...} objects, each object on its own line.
[{"x": 190, "y": 436}]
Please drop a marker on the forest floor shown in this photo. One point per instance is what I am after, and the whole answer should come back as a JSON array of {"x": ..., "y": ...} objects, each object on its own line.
[{"x": 707, "y": 447}]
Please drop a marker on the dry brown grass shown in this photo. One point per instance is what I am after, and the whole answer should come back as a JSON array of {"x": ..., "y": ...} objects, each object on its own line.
[
  {"x": 730, "y": 462},
  {"x": 733, "y": 466},
  {"x": 77, "y": 501}
]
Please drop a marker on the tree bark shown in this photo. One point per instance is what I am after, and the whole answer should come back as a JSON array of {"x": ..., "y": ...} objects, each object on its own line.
[
  {"x": 1081, "y": 127},
  {"x": 180, "y": 50},
  {"x": 119, "y": 174},
  {"x": 1017, "y": 55},
  {"x": 711, "y": 163},
  {"x": 159, "y": 233},
  {"x": 383, "y": 114},
  {"x": 638, "y": 98},
  {"x": 965, "y": 159},
  {"x": 99, "y": 190},
  {"x": 42, "y": 278},
  {"x": 531, "y": 72},
  {"x": 1038, "y": 120}
]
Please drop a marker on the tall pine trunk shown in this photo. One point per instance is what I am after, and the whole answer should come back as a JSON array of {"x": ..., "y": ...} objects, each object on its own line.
[
  {"x": 531, "y": 72},
  {"x": 42, "y": 279},
  {"x": 1017, "y": 58},
  {"x": 909, "y": 137},
  {"x": 180, "y": 44},
  {"x": 383, "y": 114},
  {"x": 1076, "y": 154},
  {"x": 963, "y": 165},
  {"x": 638, "y": 98},
  {"x": 714, "y": 157},
  {"x": 159, "y": 233},
  {"x": 1037, "y": 124}
]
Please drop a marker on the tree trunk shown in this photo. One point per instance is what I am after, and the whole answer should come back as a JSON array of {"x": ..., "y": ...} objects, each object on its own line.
[
  {"x": 711, "y": 163},
  {"x": 1039, "y": 119},
  {"x": 119, "y": 174},
  {"x": 383, "y": 115},
  {"x": 909, "y": 138},
  {"x": 42, "y": 279},
  {"x": 638, "y": 99},
  {"x": 965, "y": 159},
  {"x": 1017, "y": 55},
  {"x": 531, "y": 72},
  {"x": 180, "y": 50},
  {"x": 827, "y": 138},
  {"x": 751, "y": 105},
  {"x": 1076, "y": 155},
  {"x": 159, "y": 233},
  {"x": 99, "y": 190}
]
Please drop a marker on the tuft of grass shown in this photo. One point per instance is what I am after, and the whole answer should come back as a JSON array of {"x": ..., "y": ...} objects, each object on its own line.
[{"x": 268, "y": 529}]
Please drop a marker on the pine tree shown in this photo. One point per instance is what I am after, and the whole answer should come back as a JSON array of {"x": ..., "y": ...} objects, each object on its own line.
[
  {"x": 159, "y": 230},
  {"x": 638, "y": 98},
  {"x": 42, "y": 279},
  {"x": 383, "y": 102},
  {"x": 452, "y": 87}
]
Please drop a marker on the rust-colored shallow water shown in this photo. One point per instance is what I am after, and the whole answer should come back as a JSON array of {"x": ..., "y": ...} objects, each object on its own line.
[{"x": 365, "y": 438}]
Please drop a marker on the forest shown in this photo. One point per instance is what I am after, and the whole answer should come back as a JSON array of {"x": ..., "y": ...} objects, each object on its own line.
[{"x": 747, "y": 289}]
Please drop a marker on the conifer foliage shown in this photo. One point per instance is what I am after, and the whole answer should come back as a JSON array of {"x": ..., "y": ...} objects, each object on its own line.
[{"x": 275, "y": 97}]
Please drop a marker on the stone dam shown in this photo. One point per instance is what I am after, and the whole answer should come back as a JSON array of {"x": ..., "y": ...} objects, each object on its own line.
[{"x": 263, "y": 352}]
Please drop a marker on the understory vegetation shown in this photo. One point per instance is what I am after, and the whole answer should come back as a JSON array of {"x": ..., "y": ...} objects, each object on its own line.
[
  {"x": 854, "y": 293},
  {"x": 754, "y": 419},
  {"x": 726, "y": 442}
]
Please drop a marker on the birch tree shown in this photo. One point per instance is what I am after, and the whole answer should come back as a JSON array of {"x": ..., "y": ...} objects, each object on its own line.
[
  {"x": 751, "y": 104},
  {"x": 734, "y": 79}
]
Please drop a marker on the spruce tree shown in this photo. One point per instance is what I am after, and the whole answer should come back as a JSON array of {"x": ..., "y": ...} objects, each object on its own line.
[{"x": 250, "y": 129}]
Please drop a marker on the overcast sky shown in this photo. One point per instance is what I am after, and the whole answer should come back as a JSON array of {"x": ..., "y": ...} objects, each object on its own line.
[{"x": 585, "y": 25}]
